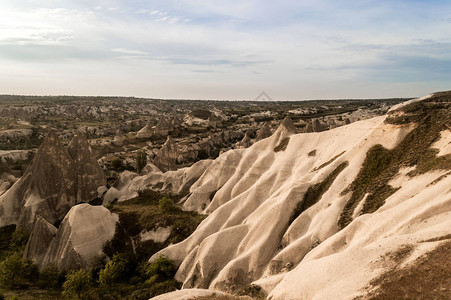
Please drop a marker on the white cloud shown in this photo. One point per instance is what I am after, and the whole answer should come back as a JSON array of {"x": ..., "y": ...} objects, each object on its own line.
[
  {"x": 130, "y": 52},
  {"x": 302, "y": 47}
]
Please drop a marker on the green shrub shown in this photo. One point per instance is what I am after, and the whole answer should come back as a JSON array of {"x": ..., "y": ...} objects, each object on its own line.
[
  {"x": 182, "y": 228},
  {"x": 19, "y": 239},
  {"x": 77, "y": 284},
  {"x": 50, "y": 277},
  {"x": 6, "y": 233},
  {"x": 165, "y": 205},
  {"x": 161, "y": 269},
  {"x": 120, "y": 243},
  {"x": 114, "y": 270},
  {"x": 164, "y": 287},
  {"x": 16, "y": 271}
]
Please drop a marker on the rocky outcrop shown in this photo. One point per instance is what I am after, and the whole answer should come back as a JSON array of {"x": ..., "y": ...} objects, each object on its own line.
[
  {"x": 264, "y": 132},
  {"x": 145, "y": 132},
  {"x": 164, "y": 127},
  {"x": 171, "y": 183},
  {"x": 39, "y": 241},
  {"x": 166, "y": 157},
  {"x": 288, "y": 125},
  {"x": 315, "y": 126},
  {"x": 79, "y": 239},
  {"x": 214, "y": 121},
  {"x": 244, "y": 143},
  {"x": 150, "y": 168},
  {"x": 14, "y": 135},
  {"x": 88, "y": 173},
  {"x": 57, "y": 179},
  {"x": 118, "y": 139}
]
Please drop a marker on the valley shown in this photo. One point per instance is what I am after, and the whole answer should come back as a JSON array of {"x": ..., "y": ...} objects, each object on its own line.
[{"x": 130, "y": 198}]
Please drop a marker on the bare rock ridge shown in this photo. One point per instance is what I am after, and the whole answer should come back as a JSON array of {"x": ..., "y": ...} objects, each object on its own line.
[
  {"x": 57, "y": 179},
  {"x": 275, "y": 216}
]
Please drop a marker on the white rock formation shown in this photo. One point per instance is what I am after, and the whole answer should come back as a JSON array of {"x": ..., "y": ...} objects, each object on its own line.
[
  {"x": 170, "y": 183},
  {"x": 251, "y": 194},
  {"x": 80, "y": 238}
]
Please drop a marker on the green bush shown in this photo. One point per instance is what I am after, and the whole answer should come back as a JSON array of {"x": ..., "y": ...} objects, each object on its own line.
[
  {"x": 19, "y": 239},
  {"x": 164, "y": 287},
  {"x": 165, "y": 205},
  {"x": 16, "y": 271},
  {"x": 77, "y": 284},
  {"x": 50, "y": 277},
  {"x": 161, "y": 269},
  {"x": 182, "y": 228},
  {"x": 114, "y": 270}
]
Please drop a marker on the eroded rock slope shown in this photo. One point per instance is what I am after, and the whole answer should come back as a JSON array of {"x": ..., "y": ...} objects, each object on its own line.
[{"x": 320, "y": 215}]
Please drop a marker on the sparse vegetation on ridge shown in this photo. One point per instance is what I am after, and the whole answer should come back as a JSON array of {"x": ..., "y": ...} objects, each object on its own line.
[
  {"x": 431, "y": 117},
  {"x": 329, "y": 161},
  {"x": 282, "y": 145},
  {"x": 316, "y": 191}
]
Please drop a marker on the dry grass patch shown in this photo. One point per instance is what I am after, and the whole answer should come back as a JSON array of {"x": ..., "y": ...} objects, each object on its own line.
[
  {"x": 381, "y": 165},
  {"x": 282, "y": 145},
  {"x": 427, "y": 278}
]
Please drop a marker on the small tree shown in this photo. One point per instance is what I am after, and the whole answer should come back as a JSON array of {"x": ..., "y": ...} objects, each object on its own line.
[
  {"x": 165, "y": 205},
  {"x": 114, "y": 270},
  {"x": 141, "y": 160},
  {"x": 16, "y": 271},
  {"x": 77, "y": 284},
  {"x": 19, "y": 239},
  {"x": 161, "y": 269}
]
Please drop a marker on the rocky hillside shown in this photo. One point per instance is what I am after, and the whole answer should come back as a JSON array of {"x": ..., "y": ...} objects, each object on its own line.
[
  {"x": 355, "y": 211},
  {"x": 57, "y": 179}
]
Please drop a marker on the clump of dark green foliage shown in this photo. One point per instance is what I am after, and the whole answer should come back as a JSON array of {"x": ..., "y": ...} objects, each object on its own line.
[
  {"x": 129, "y": 255},
  {"x": 15, "y": 271},
  {"x": 431, "y": 116},
  {"x": 316, "y": 191}
]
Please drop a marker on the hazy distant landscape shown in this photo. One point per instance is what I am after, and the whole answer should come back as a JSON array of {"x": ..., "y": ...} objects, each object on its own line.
[{"x": 109, "y": 197}]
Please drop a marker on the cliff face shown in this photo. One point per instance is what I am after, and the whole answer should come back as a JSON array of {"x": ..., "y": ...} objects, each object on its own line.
[
  {"x": 320, "y": 215},
  {"x": 57, "y": 179}
]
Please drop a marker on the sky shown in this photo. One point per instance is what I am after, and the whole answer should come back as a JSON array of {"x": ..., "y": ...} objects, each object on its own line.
[{"x": 198, "y": 49}]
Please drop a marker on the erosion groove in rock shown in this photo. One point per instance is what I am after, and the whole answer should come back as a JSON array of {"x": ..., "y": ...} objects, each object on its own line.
[{"x": 316, "y": 191}]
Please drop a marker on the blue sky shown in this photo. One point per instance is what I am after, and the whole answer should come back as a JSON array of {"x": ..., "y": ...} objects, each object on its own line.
[{"x": 197, "y": 49}]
